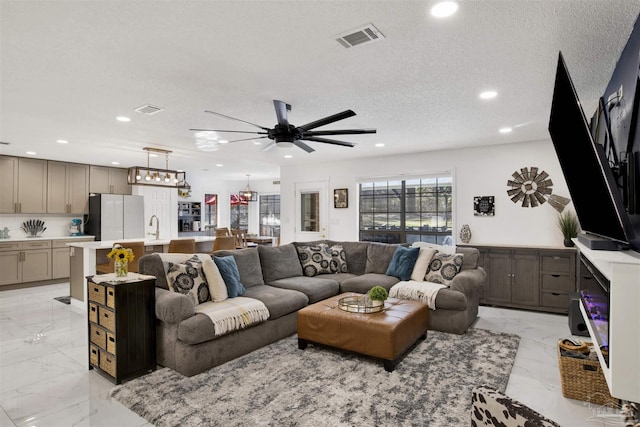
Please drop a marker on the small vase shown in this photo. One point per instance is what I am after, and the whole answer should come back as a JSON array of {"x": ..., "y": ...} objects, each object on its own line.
[
  {"x": 568, "y": 242},
  {"x": 121, "y": 268}
]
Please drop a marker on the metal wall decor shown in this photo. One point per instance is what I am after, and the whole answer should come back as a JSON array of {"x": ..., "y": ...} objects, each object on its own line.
[
  {"x": 529, "y": 187},
  {"x": 484, "y": 206}
]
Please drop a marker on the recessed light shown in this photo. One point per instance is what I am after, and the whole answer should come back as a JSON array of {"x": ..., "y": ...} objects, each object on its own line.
[
  {"x": 31, "y": 153},
  {"x": 123, "y": 119},
  {"x": 488, "y": 94},
  {"x": 219, "y": 165},
  {"x": 288, "y": 156},
  {"x": 223, "y": 141},
  {"x": 505, "y": 130},
  {"x": 62, "y": 141},
  {"x": 115, "y": 163},
  {"x": 380, "y": 144},
  {"x": 257, "y": 142},
  {"x": 444, "y": 8}
]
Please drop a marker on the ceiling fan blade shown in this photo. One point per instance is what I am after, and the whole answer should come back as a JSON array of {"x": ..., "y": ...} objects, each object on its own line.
[
  {"x": 338, "y": 132},
  {"x": 247, "y": 139},
  {"x": 233, "y": 118},
  {"x": 330, "y": 119},
  {"x": 304, "y": 146},
  {"x": 330, "y": 141},
  {"x": 269, "y": 146},
  {"x": 233, "y": 131},
  {"x": 281, "y": 112}
]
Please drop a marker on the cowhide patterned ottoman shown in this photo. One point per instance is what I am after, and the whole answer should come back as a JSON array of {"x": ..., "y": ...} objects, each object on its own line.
[{"x": 489, "y": 407}]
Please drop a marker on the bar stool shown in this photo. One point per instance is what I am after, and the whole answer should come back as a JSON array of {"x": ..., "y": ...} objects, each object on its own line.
[
  {"x": 182, "y": 246},
  {"x": 224, "y": 242}
]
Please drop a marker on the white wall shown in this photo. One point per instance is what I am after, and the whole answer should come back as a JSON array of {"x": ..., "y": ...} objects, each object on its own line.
[{"x": 477, "y": 172}]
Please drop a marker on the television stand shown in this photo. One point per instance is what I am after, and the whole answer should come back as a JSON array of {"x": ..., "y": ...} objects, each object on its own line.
[{"x": 597, "y": 243}]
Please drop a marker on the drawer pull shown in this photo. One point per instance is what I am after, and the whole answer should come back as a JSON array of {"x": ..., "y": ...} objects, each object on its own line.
[
  {"x": 555, "y": 293},
  {"x": 555, "y": 275},
  {"x": 112, "y": 339},
  {"x": 94, "y": 308},
  {"x": 97, "y": 332}
]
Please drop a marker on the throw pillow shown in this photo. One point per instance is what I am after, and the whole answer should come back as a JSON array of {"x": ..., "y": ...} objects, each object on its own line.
[
  {"x": 402, "y": 263},
  {"x": 422, "y": 263},
  {"x": 315, "y": 259},
  {"x": 229, "y": 271},
  {"x": 443, "y": 268},
  {"x": 189, "y": 279},
  {"x": 217, "y": 287},
  {"x": 338, "y": 259}
]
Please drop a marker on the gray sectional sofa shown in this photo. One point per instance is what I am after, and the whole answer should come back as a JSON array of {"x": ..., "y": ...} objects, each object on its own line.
[{"x": 274, "y": 275}]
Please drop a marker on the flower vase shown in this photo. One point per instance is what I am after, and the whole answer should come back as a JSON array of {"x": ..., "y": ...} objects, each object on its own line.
[{"x": 121, "y": 268}]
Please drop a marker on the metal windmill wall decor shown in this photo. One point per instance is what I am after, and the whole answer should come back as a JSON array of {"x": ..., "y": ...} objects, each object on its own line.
[{"x": 534, "y": 189}]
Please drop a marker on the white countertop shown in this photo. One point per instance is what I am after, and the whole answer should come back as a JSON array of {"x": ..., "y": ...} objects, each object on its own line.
[
  {"x": 147, "y": 242},
  {"x": 30, "y": 239}
]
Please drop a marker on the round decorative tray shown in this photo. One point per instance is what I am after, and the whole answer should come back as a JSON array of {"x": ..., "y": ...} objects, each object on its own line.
[{"x": 360, "y": 304}]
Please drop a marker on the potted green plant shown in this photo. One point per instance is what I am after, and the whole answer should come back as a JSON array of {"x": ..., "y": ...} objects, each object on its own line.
[
  {"x": 378, "y": 295},
  {"x": 568, "y": 224}
]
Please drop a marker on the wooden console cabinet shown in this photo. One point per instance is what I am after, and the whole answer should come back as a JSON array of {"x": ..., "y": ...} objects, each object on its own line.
[
  {"x": 532, "y": 278},
  {"x": 122, "y": 332}
]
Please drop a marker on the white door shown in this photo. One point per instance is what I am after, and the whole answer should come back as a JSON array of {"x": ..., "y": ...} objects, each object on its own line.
[
  {"x": 158, "y": 202},
  {"x": 312, "y": 211}
]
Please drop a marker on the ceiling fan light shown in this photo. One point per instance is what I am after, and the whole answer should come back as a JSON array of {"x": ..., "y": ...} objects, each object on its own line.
[{"x": 284, "y": 144}]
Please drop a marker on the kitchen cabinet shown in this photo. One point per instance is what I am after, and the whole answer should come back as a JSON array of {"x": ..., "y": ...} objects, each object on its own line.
[
  {"x": 122, "y": 331},
  {"x": 188, "y": 214},
  {"x": 67, "y": 188},
  {"x": 532, "y": 278},
  {"x": 31, "y": 196},
  {"x": 61, "y": 256},
  {"x": 108, "y": 180},
  {"x": 22, "y": 262}
]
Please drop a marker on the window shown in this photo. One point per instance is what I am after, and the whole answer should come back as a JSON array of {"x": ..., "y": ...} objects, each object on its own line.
[
  {"x": 310, "y": 209},
  {"x": 239, "y": 212},
  {"x": 411, "y": 210},
  {"x": 270, "y": 215}
]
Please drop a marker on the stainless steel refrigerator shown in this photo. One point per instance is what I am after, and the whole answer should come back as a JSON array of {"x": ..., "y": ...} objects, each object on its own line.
[{"x": 115, "y": 216}]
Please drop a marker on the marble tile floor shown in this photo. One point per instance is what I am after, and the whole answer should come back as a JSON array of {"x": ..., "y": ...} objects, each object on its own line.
[{"x": 44, "y": 379}]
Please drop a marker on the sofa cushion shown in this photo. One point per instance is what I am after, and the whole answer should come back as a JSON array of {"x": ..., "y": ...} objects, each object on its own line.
[
  {"x": 440, "y": 248},
  {"x": 229, "y": 271},
  {"x": 196, "y": 329},
  {"x": 471, "y": 256},
  {"x": 402, "y": 262},
  {"x": 278, "y": 301},
  {"x": 443, "y": 268},
  {"x": 422, "y": 263},
  {"x": 315, "y": 288},
  {"x": 379, "y": 257},
  {"x": 188, "y": 278},
  {"x": 363, "y": 283},
  {"x": 248, "y": 262},
  {"x": 356, "y": 256},
  {"x": 279, "y": 262},
  {"x": 315, "y": 259}
]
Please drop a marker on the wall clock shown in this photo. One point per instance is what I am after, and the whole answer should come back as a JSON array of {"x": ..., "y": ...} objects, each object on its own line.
[{"x": 529, "y": 187}]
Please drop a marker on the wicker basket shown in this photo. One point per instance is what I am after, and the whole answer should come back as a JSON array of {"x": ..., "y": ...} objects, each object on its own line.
[{"x": 584, "y": 380}]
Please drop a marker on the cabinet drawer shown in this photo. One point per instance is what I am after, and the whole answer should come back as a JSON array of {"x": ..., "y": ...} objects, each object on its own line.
[
  {"x": 36, "y": 244},
  {"x": 98, "y": 336},
  {"x": 556, "y": 263},
  {"x": 111, "y": 343},
  {"x": 111, "y": 298},
  {"x": 558, "y": 282},
  {"x": 93, "y": 313},
  {"x": 108, "y": 363},
  {"x": 96, "y": 293},
  {"x": 555, "y": 300},
  {"x": 9, "y": 246},
  {"x": 107, "y": 319},
  {"x": 94, "y": 355}
]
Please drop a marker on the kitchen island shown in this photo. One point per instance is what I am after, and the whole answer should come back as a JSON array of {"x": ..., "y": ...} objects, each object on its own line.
[{"x": 87, "y": 254}]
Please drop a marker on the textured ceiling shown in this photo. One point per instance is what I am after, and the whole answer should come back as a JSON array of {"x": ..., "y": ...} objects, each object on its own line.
[{"x": 68, "y": 68}]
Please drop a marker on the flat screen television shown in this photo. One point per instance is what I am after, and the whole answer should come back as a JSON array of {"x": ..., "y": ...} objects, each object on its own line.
[{"x": 594, "y": 191}]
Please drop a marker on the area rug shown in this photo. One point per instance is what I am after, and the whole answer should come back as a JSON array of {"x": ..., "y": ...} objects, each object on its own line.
[{"x": 280, "y": 385}]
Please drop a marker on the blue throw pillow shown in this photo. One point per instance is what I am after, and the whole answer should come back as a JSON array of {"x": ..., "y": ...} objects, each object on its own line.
[
  {"x": 402, "y": 263},
  {"x": 229, "y": 271}
]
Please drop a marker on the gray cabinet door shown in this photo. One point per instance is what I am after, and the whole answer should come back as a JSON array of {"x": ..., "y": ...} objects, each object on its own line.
[
  {"x": 526, "y": 279},
  {"x": 498, "y": 288}
]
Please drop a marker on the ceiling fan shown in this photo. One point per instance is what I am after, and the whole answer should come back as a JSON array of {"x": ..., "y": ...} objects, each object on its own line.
[{"x": 286, "y": 134}]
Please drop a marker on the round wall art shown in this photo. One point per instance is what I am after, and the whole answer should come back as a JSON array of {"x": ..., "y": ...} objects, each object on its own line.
[{"x": 529, "y": 187}]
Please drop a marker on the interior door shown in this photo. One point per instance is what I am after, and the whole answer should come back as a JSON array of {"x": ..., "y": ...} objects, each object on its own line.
[{"x": 312, "y": 204}]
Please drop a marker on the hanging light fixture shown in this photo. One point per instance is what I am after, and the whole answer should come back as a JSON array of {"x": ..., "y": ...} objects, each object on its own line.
[
  {"x": 250, "y": 196},
  {"x": 155, "y": 176}
]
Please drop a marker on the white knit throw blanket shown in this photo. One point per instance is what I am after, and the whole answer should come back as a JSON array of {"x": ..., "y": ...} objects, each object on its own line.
[
  {"x": 234, "y": 313},
  {"x": 417, "y": 291}
]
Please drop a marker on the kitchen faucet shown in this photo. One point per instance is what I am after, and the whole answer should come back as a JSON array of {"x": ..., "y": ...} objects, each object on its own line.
[{"x": 157, "y": 233}]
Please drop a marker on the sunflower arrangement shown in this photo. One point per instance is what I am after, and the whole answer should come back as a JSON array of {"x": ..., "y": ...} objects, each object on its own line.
[{"x": 118, "y": 253}]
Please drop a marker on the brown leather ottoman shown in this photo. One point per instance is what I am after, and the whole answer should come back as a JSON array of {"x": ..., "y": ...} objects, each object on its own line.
[{"x": 387, "y": 334}]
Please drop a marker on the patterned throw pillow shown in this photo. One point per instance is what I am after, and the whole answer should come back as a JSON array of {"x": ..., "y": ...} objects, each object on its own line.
[
  {"x": 315, "y": 259},
  {"x": 443, "y": 268},
  {"x": 189, "y": 279},
  {"x": 338, "y": 259}
]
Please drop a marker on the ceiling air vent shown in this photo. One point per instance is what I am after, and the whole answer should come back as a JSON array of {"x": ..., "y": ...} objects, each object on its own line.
[
  {"x": 276, "y": 182},
  {"x": 365, "y": 34},
  {"x": 149, "y": 110}
]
